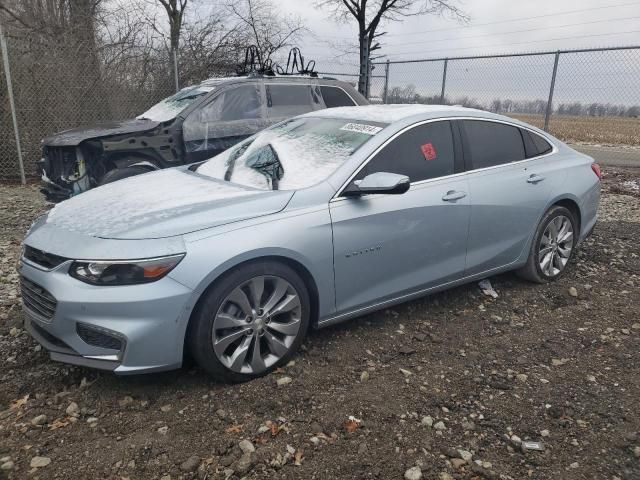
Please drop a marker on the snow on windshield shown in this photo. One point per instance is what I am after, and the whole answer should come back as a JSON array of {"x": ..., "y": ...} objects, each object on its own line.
[
  {"x": 296, "y": 154},
  {"x": 170, "y": 107}
]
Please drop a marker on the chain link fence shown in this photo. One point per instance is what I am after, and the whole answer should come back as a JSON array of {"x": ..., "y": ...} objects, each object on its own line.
[
  {"x": 590, "y": 98},
  {"x": 63, "y": 85}
]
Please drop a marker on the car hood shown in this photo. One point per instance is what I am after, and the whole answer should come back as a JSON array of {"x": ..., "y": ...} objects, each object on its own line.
[
  {"x": 73, "y": 137},
  {"x": 162, "y": 204}
]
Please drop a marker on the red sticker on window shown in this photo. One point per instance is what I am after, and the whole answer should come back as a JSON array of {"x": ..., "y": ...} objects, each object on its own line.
[{"x": 429, "y": 151}]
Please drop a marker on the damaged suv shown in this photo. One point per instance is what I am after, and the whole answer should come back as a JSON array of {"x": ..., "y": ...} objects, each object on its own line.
[{"x": 195, "y": 124}]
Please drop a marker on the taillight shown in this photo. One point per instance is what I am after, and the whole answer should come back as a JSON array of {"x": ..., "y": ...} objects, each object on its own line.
[{"x": 596, "y": 169}]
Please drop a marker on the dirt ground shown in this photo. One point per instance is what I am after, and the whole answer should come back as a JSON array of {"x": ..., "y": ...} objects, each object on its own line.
[{"x": 450, "y": 386}]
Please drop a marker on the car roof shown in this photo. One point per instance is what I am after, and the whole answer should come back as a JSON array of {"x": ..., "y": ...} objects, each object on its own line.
[
  {"x": 401, "y": 115},
  {"x": 392, "y": 113}
]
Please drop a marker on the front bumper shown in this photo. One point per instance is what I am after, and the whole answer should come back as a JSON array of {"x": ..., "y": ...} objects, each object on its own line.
[{"x": 131, "y": 329}]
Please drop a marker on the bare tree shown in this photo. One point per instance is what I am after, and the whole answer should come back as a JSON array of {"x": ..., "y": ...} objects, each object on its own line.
[
  {"x": 369, "y": 14},
  {"x": 175, "y": 12},
  {"x": 264, "y": 27}
]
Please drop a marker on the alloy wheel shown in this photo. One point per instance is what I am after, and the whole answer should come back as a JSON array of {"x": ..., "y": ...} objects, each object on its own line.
[
  {"x": 555, "y": 246},
  {"x": 256, "y": 324}
]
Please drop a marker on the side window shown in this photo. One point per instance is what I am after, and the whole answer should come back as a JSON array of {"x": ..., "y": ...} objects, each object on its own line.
[
  {"x": 424, "y": 152},
  {"x": 336, "y": 97},
  {"x": 239, "y": 103},
  {"x": 291, "y": 100},
  {"x": 493, "y": 143}
]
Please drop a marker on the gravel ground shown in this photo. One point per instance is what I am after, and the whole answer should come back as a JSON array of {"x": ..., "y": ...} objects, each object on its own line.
[{"x": 450, "y": 386}]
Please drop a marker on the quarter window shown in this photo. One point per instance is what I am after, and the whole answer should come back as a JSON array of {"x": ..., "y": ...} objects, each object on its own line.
[
  {"x": 336, "y": 97},
  {"x": 493, "y": 143},
  {"x": 422, "y": 153},
  {"x": 291, "y": 100},
  {"x": 534, "y": 144}
]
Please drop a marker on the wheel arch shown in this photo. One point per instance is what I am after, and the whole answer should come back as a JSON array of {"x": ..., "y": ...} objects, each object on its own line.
[
  {"x": 571, "y": 205},
  {"x": 296, "y": 265}
]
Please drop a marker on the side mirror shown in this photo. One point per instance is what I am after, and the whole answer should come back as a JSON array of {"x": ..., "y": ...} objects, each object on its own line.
[{"x": 380, "y": 182}]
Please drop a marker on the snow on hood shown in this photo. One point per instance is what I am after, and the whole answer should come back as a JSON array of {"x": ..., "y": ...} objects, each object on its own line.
[{"x": 162, "y": 204}]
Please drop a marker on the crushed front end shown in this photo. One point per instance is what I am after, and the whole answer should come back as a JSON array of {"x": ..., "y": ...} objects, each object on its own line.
[{"x": 63, "y": 171}]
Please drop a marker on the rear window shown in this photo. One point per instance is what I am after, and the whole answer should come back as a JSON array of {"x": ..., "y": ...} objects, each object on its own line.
[
  {"x": 291, "y": 100},
  {"x": 336, "y": 97},
  {"x": 493, "y": 143}
]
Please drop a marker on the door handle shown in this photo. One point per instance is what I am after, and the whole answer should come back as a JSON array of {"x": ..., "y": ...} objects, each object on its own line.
[
  {"x": 535, "y": 179},
  {"x": 452, "y": 196}
]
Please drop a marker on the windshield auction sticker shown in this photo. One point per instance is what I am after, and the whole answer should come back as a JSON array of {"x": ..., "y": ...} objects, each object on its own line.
[{"x": 361, "y": 128}]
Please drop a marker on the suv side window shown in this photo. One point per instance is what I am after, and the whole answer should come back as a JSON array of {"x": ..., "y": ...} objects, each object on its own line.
[
  {"x": 291, "y": 100},
  {"x": 336, "y": 97},
  {"x": 424, "y": 152},
  {"x": 493, "y": 143},
  {"x": 239, "y": 103}
]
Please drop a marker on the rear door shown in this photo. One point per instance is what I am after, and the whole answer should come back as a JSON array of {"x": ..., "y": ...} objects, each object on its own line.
[
  {"x": 336, "y": 97},
  {"x": 389, "y": 245},
  {"x": 234, "y": 114},
  {"x": 286, "y": 100},
  {"x": 508, "y": 192}
]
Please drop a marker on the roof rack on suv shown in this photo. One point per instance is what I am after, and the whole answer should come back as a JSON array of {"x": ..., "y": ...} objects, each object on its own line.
[
  {"x": 254, "y": 65},
  {"x": 296, "y": 65}
]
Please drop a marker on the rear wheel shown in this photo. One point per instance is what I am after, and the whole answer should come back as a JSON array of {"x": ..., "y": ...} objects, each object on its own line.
[
  {"x": 552, "y": 246},
  {"x": 250, "y": 322},
  {"x": 120, "y": 173}
]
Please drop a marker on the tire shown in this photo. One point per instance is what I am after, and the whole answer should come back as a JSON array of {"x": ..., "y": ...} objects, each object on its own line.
[
  {"x": 558, "y": 251},
  {"x": 120, "y": 173},
  {"x": 276, "y": 330}
]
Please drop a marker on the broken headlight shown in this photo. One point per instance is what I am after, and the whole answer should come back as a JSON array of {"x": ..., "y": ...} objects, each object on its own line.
[{"x": 123, "y": 272}]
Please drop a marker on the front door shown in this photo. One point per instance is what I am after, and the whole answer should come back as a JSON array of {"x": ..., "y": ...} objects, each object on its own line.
[
  {"x": 386, "y": 246},
  {"x": 231, "y": 116}
]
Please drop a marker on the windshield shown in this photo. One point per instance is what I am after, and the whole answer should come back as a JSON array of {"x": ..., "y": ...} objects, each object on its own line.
[
  {"x": 294, "y": 154},
  {"x": 170, "y": 107}
]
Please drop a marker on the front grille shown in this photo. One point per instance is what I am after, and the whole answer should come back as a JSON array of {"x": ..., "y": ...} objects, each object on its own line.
[
  {"x": 37, "y": 299},
  {"x": 97, "y": 337},
  {"x": 48, "y": 337},
  {"x": 44, "y": 259},
  {"x": 59, "y": 162}
]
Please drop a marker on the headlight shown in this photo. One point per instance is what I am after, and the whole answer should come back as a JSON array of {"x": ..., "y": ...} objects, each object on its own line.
[{"x": 123, "y": 272}]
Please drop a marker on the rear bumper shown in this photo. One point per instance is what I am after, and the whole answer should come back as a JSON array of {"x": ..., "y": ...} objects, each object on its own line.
[{"x": 127, "y": 330}]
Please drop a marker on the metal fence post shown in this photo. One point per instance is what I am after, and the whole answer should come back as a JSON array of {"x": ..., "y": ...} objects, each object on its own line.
[
  {"x": 547, "y": 114},
  {"x": 385, "y": 91},
  {"x": 444, "y": 79},
  {"x": 14, "y": 118}
]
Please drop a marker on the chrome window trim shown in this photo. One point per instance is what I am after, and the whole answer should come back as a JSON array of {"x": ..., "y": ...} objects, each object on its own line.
[{"x": 337, "y": 196}]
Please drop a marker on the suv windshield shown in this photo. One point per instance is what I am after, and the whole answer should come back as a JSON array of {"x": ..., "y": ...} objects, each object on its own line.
[
  {"x": 169, "y": 108},
  {"x": 291, "y": 155}
]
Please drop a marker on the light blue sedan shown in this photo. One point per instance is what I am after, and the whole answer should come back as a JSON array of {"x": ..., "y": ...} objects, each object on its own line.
[{"x": 318, "y": 219}]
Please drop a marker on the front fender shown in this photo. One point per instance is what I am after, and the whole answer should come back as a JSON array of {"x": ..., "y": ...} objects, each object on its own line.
[{"x": 303, "y": 236}]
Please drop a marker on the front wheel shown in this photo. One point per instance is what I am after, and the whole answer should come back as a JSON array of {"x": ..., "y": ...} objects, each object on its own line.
[
  {"x": 552, "y": 247},
  {"x": 250, "y": 322}
]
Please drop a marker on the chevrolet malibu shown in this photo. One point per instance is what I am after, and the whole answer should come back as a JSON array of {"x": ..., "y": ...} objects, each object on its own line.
[{"x": 320, "y": 218}]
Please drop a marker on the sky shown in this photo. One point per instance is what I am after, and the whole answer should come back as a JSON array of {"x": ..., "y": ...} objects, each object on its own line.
[{"x": 495, "y": 27}]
